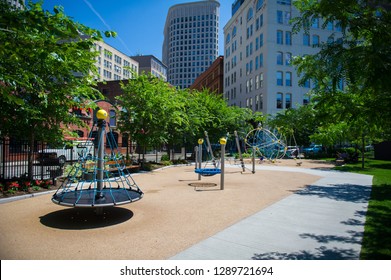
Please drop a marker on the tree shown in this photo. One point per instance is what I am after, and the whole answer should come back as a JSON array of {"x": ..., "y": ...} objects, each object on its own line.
[
  {"x": 46, "y": 68},
  {"x": 352, "y": 73},
  {"x": 153, "y": 111},
  {"x": 300, "y": 123},
  {"x": 156, "y": 114}
]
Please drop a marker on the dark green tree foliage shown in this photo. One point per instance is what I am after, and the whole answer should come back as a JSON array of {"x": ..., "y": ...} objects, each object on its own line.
[
  {"x": 46, "y": 68},
  {"x": 296, "y": 124},
  {"x": 156, "y": 114},
  {"x": 352, "y": 73},
  {"x": 362, "y": 60}
]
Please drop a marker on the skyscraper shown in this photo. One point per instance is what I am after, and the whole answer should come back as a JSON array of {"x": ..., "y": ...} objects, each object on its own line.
[
  {"x": 190, "y": 40},
  {"x": 259, "y": 46}
]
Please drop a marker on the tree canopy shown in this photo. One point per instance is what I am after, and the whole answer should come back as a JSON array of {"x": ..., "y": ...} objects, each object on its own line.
[
  {"x": 351, "y": 73},
  {"x": 46, "y": 68},
  {"x": 155, "y": 113}
]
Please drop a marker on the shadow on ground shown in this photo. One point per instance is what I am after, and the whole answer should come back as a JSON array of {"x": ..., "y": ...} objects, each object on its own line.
[
  {"x": 322, "y": 253},
  {"x": 340, "y": 192},
  {"x": 330, "y": 246},
  {"x": 86, "y": 218}
]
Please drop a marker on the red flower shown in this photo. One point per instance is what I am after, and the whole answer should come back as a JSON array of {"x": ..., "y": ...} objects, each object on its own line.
[{"x": 13, "y": 185}]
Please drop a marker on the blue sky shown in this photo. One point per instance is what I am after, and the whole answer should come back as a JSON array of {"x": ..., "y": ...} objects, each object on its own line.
[{"x": 138, "y": 23}]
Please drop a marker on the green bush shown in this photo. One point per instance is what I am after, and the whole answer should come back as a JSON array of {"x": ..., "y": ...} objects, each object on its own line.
[{"x": 165, "y": 158}]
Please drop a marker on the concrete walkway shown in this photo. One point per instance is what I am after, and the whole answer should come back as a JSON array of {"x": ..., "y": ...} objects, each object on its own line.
[{"x": 322, "y": 221}]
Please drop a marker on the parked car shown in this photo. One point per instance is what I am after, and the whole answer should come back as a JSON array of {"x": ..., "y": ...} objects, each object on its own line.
[
  {"x": 292, "y": 152},
  {"x": 66, "y": 152},
  {"x": 313, "y": 149}
]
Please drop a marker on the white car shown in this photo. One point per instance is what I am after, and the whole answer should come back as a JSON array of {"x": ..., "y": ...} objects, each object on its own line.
[{"x": 67, "y": 152}]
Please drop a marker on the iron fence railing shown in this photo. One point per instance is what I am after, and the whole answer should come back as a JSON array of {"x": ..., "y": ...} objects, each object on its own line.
[{"x": 14, "y": 156}]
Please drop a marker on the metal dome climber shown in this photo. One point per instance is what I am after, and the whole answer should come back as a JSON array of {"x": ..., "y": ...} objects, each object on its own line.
[
  {"x": 270, "y": 145},
  {"x": 108, "y": 182}
]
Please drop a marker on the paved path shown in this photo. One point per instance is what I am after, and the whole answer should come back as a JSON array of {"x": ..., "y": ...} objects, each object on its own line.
[{"x": 323, "y": 221}]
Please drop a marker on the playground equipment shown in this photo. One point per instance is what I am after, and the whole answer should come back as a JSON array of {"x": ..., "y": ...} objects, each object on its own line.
[
  {"x": 270, "y": 145},
  {"x": 99, "y": 181},
  {"x": 206, "y": 171},
  {"x": 210, "y": 171}
]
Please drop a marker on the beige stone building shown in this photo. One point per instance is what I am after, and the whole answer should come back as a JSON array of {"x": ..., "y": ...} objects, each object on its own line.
[
  {"x": 259, "y": 46},
  {"x": 114, "y": 65}
]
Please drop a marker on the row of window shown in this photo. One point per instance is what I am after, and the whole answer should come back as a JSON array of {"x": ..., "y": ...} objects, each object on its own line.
[
  {"x": 280, "y": 78},
  {"x": 280, "y": 100},
  {"x": 195, "y": 45},
  {"x": 194, "y": 18},
  {"x": 108, "y": 74},
  {"x": 182, "y": 74},
  {"x": 183, "y": 38}
]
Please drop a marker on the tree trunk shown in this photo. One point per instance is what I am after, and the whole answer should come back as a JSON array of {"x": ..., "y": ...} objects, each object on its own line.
[{"x": 362, "y": 151}]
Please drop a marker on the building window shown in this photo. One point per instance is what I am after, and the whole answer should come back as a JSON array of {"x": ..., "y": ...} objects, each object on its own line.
[
  {"x": 288, "y": 79},
  {"x": 288, "y": 100},
  {"x": 288, "y": 38},
  {"x": 330, "y": 25},
  {"x": 261, "y": 60},
  {"x": 279, "y": 78},
  {"x": 315, "y": 22},
  {"x": 280, "y": 18},
  {"x": 261, "y": 80},
  {"x": 250, "y": 14},
  {"x": 279, "y": 100},
  {"x": 330, "y": 40},
  {"x": 261, "y": 101},
  {"x": 125, "y": 140},
  {"x": 315, "y": 41},
  {"x": 306, "y": 39},
  {"x": 113, "y": 118},
  {"x": 280, "y": 39},
  {"x": 287, "y": 18},
  {"x": 280, "y": 58},
  {"x": 284, "y": 2},
  {"x": 259, "y": 4},
  {"x": 288, "y": 58}
]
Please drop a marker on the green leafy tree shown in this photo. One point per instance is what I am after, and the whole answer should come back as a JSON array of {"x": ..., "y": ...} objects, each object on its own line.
[
  {"x": 351, "y": 73},
  {"x": 156, "y": 114},
  {"x": 154, "y": 111},
  {"x": 296, "y": 124},
  {"x": 213, "y": 115},
  {"x": 46, "y": 68}
]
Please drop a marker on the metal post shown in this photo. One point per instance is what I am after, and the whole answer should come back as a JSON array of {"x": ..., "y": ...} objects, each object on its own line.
[
  {"x": 196, "y": 157},
  {"x": 223, "y": 142},
  {"x": 101, "y": 116},
  {"x": 200, "y": 141},
  {"x": 239, "y": 151},
  {"x": 100, "y": 162},
  {"x": 253, "y": 160}
]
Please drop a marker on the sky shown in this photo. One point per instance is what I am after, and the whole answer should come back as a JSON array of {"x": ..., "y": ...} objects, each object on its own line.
[{"x": 139, "y": 23}]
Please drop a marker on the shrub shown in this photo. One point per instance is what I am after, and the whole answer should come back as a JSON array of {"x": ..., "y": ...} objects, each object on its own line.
[{"x": 165, "y": 158}]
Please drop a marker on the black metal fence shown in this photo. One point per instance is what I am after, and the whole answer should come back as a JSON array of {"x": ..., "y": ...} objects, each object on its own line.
[{"x": 14, "y": 155}]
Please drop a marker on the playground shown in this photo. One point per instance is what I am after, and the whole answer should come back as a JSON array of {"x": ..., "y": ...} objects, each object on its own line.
[
  {"x": 173, "y": 215},
  {"x": 98, "y": 212}
]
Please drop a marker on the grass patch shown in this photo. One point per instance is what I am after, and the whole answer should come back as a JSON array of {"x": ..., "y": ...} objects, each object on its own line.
[{"x": 377, "y": 233}]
